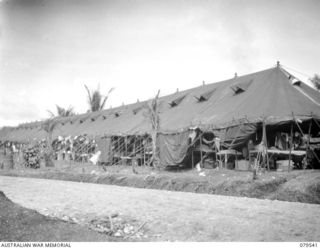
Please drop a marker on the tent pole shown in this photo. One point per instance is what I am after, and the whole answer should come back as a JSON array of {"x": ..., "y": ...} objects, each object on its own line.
[
  {"x": 266, "y": 143},
  {"x": 308, "y": 142},
  {"x": 200, "y": 150},
  {"x": 316, "y": 122},
  {"x": 133, "y": 153},
  {"x": 192, "y": 160},
  {"x": 144, "y": 143},
  {"x": 216, "y": 151},
  {"x": 126, "y": 145},
  {"x": 291, "y": 137}
]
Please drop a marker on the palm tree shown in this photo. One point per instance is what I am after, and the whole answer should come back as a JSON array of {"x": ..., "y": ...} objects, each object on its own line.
[
  {"x": 96, "y": 100},
  {"x": 63, "y": 112},
  {"x": 316, "y": 81}
]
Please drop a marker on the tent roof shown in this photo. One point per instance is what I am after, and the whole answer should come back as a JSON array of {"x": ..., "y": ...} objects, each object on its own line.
[{"x": 269, "y": 95}]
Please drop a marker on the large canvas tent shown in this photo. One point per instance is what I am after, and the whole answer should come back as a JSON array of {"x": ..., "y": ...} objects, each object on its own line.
[{"x": 232, "y": 110}]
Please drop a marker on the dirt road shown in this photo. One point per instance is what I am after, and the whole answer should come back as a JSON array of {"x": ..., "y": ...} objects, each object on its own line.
[{"x": 174, "y": 216}]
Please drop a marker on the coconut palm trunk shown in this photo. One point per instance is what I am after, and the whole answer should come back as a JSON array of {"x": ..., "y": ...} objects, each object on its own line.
[
  {"x": 153, "y": 115},
  {"x": 155, "y": 155}
]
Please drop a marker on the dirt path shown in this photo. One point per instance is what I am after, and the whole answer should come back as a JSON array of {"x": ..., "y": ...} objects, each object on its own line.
[{"x": 173, "y": 215}]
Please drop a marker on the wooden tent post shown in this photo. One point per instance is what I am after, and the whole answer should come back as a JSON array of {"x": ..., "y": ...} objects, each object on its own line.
[
  {"x": 216, "y": 151},
  {"x": 126, "y": 146},
  {"x": 201, "y": 150},
  {"x": 134, "y": 145},
  {"x": 266, "y": 142},
  {"x": 316, "y": 122},
  {"x": 291, "y": 138},
  {"x": 308, "y": 142},
  {"x": 192, "y": 159},
  {"x": 144, "y": 144}
]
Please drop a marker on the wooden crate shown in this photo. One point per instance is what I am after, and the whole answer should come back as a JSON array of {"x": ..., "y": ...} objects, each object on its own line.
[
  {"x": 283, "y": 165},
  {"x": 242, "y": 165}
]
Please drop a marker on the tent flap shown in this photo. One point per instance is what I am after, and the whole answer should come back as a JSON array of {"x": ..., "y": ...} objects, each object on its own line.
[
  {"x": 232, "y": 137},
  {"x": 173, "y": 147}
]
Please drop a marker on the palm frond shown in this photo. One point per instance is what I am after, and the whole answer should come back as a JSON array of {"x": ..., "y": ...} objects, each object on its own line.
[
  {"x": 61, "y": 111},
  {"x": 69, "y": 111},
  {"x": 89, "y": 95},
  {"x": 96, "y": 100},
  {"x": 316, "y": 81},
  {"x": 105, "y": 98},
  {"x": 51, "y": 113},
  {"x": 49, "y": 125}
]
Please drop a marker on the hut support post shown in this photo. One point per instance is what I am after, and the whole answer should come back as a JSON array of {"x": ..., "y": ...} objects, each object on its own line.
[
  {"x": 316, "y": 122},
  {"x": 126, "y": 145},
  {"x": 266, "y": 143},
  {"x": 201, "y": 163},
  {"x": 134, "y": 145},
  {"x": 291, "y": 137},
  {"x": 192, "y": 163},
  {"x": 144, "y": 153},
  {"x": 308, "y": 142}
]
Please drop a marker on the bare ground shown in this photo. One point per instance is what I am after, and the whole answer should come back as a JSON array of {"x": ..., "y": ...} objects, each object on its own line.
[
  {"x": 173, "y": 216},
  {"x": 21, "y": 224},
  {"x": 296, "y": 185}
]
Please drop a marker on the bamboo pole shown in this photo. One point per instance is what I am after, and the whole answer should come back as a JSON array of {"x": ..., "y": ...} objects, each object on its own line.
[
  {"x": 134, "y": 143},
  {"x": 126, "y": 145},
  {"x": 316, "y": 122},
  {"x": 291, "y": 138},
  {"x": 201, "y": 150},
  {"x": 216, "y": 150},
  {"x": 192, "y": 159},
  {"x": 266, "y": 143},
  {"x": 144, "y": 152},
  {"x": 308, "y": 142}
]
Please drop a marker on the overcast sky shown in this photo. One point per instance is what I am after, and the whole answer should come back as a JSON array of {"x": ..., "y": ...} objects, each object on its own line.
[{"x": 50, "y": 49}]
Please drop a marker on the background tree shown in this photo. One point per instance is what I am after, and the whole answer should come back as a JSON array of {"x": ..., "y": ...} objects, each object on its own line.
[
  {"x": 316, "y": 81},
  {"x": 63, "y": 112},
  {"x": 153, "y": 114},
  {"x": 96, "y": 100}
]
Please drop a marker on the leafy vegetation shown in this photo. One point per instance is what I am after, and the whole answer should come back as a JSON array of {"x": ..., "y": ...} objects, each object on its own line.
[
  {"x": 96, "y": 100},
  {"x": 62, "y": 112},
  {"x": 316, "y": 81}
]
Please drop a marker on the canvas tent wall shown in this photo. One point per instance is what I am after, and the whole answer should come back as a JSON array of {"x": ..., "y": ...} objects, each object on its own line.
[{"x": 241, "y": 103}]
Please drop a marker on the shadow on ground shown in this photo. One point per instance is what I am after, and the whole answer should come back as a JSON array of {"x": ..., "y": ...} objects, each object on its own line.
[{"x": 21, "y": 224}]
